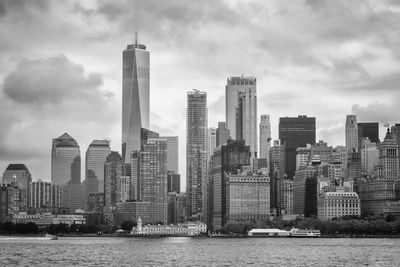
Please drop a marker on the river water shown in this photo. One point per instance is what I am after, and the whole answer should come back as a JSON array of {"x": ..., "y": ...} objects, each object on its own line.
[{"x": 181, "y": 251}]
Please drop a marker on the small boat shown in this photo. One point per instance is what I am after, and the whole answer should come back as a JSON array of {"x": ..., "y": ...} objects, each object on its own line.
[
  {"x": 51, "y": 237},
  {"x": 295, "y": 232}
]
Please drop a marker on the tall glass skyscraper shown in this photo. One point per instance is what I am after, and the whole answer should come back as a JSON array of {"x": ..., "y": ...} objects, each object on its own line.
[
  {"x": 96, "y": 156},
  {"x": 196, "y": 153},
  {"x": 65, "y": 160},
  {"x": 135, "y": 96},
  {"x": 295, "y": 132}
]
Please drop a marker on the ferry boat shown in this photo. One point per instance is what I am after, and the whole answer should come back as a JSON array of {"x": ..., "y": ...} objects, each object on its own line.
[{"x": 295, "y": 232}]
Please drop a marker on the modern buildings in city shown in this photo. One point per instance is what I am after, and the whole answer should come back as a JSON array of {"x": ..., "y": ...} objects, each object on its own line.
[
  {"x": 172, "y": 153},
  {"x": 226, "y": 160},
  {"x": 370, "y": 130},
  {"x": 286, "y": 196},
  {"x": 212, "y": 140},
  {"x": 223, "y": 133},
  {"x": 246, "y": 119},
  {"x": 233, "y": 87},
  {"x": 265, "y": 138},
  {"x": 11, "y": 201},
  {"x": 295, "y": 132},
  {"x": 135, "y": 96},
  {"x": 19, "y": 174},
  {"x": 300, "y": 187},
  {"x": 369, "y": 157},
  {"x": 173, "y": 182},
  {"x": 65, "y": 160},
  {"x": 114, "y": 168},
  {"x": 149, "y": 172},
  {"x": 351, "y": 134},
  {"x": 196, "y": 153}
]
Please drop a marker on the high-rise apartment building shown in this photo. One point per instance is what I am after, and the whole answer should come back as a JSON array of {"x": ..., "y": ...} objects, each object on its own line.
[
  {"x": 149, "y": 171},
  {"x": 265, "y": 138},
  {"x": 295, "y": 132},
  {"x": 135, "y": 96},
  {"x": 223, "y": 133},
  {"x": 113, "y": 170},
  {"x": 196, "y": 153},
  {"x": 233, "y": 87},
  {"x": 172, "y": 153},
  {"x": 65, "y": 160}
]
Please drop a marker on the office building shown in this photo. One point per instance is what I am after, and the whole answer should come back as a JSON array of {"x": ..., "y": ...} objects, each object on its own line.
[
  {"x": 351, "y": 136},
  {"x": 44, "y": 196},
  {"x": 174, "y": 182},
  {"x": 300, "y": 187},
  {"x": 172, "y": 153},
  {"x": 368, "y": 129},
  {"x": 265, "y": 138},
  {"x": 223, "y": 133},
  {"x": 303, "y": 156},
  {"x": 369, "y": 157},
  {"x": 149, "y": 172},
  {"x": 322, "y": 150},
  {"x": 227, "y": 159},
  {"x": 196, "y": 153},
  {"x": 21, "y": 175},
  {"x": 338, "y": 204},
  {"x": 212, "y": 140},
  {"x": 114, "y": 168},
  {"x": 246, "y": 119},
  {"x": 65, "y": 160},
  {"x": 234, "y": 86},
  {"x": 135, "y": 96},
  {"x": 277, "y": 172},
  {"x": 247, "y": 197},
  {"x": 176, "y": 208},
  {"x": 295, "y": 132},
  {"x": 131, "y": 211},
  {"x": 286, "y": 196},
  {"x": 11, "y": 201}
]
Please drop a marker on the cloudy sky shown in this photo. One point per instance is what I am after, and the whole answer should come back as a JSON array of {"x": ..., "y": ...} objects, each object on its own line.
[{"x": 60, "y": 66}]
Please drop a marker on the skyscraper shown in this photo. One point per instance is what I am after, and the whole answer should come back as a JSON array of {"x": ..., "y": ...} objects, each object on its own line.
[
  {"x": 233, "y": 87},
  {"x": 21, "y": 175},
  {"x": 265, "y": 138},
  {"x": 351, "y": 133},
  {"x": 149, "y": 171},
  {"x": 293, "y": 133},
  {"x": 196, "y": 153},
  {"x": 368, "y": 129},
  {"x": 113, "y": 170},
  {"x": 135, "y": 96},
  {"x": 222, "y": 134},
  {"x": 172, "y": 153},
  {"x": 212, "y": 140},
  {"x": 246, "y": 119},
  {"x": 96, "y": 156},
  {"x": 65, "y": 160}
]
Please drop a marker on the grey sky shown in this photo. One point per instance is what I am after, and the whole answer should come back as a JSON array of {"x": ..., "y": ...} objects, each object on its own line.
[{"x": 60, "y": 66}]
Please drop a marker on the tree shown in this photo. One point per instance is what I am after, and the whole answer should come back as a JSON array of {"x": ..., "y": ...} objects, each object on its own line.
[{"x": 127, "y": 225}]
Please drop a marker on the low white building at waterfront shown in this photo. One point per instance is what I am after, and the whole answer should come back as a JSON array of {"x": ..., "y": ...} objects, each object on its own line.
[{"x": 186, "y": 229}]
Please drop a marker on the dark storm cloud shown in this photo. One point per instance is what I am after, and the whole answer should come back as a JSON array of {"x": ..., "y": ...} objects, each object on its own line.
[
  {"x": 378, "y": 111},
  {"x": 49, "y": 80}
]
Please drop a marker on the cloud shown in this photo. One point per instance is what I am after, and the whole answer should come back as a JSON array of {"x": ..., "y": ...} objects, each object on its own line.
[
  {"x": 43, "y": 98},
  {"x": 49, "y": 81}
]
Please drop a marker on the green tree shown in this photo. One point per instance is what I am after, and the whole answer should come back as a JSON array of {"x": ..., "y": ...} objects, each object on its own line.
[{"x": 127, "y": 225}]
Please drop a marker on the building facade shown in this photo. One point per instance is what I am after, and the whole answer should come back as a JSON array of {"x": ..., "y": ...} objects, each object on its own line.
[
  {"x": 172, "y": 153},
  {"x": 295, "y": 132},
  {"x": 265, "y": 138},
  {"x": 338, "y": 204},
  {"x": 135, "y": 96},
  {"x": 196, "y": 154},
  {"x": 223, "y": 133},
  {"x": 44, "y": 196},
  {"x": 233, "y": 87}
]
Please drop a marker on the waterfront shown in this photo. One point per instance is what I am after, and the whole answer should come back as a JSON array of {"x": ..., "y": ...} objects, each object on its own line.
[{"x": 181, "y": 251}]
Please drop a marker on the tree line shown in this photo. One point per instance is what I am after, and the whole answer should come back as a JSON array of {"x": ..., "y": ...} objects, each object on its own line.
[{"x": 345, "y": 226}]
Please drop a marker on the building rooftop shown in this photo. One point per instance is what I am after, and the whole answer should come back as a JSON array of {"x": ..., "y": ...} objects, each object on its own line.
[
  {"x": 100, "y": 143},
  {"x": 16, "y": 167},
  {"x": 65, "y": 140}
]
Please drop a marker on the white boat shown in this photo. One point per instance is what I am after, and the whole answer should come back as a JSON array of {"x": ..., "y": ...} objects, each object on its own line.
[
  {"x": 295, "y": 232},
  {"x": 51, "y": 237}
]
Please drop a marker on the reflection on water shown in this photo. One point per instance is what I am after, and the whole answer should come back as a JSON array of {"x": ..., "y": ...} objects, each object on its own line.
[{"x": 181, "y": 251}]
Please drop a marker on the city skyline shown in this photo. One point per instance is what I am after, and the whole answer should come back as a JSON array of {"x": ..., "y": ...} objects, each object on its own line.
[{"x": 77, "y": 80}]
